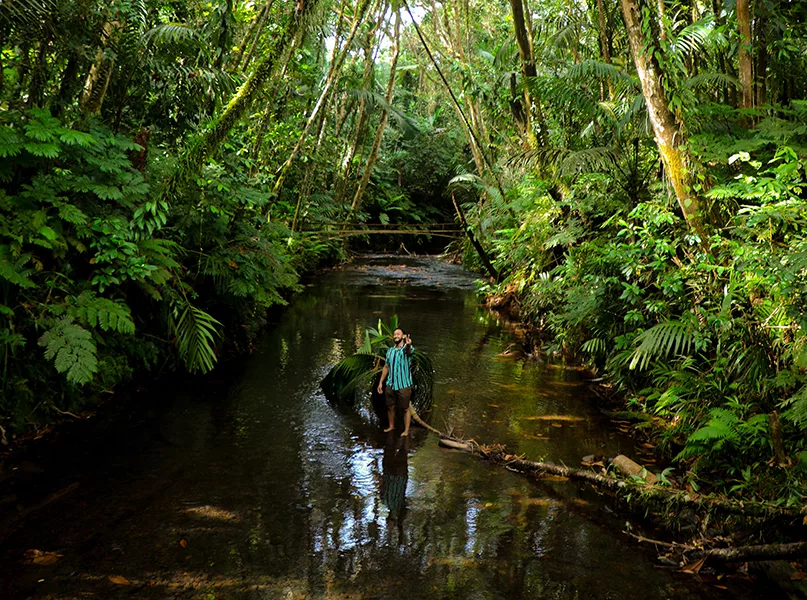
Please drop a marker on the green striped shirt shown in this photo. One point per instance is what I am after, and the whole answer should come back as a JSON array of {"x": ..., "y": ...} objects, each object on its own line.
[{"x": 398, "y": 360}]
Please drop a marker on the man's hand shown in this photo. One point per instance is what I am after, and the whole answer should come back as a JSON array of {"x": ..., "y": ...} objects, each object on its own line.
[
  {"x": 380, "y": 388},
  {"x": 408, "y": 339}
]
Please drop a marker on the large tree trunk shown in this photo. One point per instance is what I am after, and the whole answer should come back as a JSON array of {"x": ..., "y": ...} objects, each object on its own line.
[
  {"x": 746, "y": 63},
  {"x": 382, "y": 123},
  {"x": 669, "y": 138}
]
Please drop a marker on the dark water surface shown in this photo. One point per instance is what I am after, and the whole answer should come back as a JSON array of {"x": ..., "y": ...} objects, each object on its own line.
[{"x": 257, "y": 488}]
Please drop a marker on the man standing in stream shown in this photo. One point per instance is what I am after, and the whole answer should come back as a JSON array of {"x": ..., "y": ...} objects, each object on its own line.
[{"x": 398, "y": 368}]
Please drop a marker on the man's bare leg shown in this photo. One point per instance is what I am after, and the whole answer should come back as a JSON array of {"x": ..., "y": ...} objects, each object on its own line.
[
  {"x": 407, "y": 420},
  {"x": 391, "y": 419}
]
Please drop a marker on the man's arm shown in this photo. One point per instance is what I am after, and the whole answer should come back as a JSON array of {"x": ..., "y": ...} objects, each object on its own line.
[
  {"x": 408, "y": 347},
  {"x": 384, "y": 373}
]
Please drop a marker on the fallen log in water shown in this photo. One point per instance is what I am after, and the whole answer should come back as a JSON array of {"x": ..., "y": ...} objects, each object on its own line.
[
  {"x": 650, "y": 496},
  {"x": 663, "y": 499},
  {"x": 746, "y": 553},
  {"x": 687, "y": 553}
]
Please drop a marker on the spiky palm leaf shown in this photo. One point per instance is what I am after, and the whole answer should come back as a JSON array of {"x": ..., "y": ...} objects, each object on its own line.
[
  {"x": 196, "y": 334},
  {"x": 407, "y": 125},
  {"x": 670, "y": 337}
]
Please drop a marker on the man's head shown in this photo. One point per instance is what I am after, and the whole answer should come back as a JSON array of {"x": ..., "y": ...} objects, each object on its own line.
[{"x": 398, "y": 335}]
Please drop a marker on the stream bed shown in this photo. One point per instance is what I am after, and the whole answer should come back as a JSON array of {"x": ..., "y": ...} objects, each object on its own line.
[{"x": 247, "y": 484}]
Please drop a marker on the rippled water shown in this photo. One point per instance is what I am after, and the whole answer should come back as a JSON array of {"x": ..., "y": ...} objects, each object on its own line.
[{"x": 255, "y": 487}]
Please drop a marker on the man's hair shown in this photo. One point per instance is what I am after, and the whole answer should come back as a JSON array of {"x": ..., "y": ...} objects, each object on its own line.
[{"x": 401, "y": 329}]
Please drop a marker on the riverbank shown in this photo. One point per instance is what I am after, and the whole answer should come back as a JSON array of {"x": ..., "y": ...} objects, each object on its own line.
[{"x": 688, "y": 528}]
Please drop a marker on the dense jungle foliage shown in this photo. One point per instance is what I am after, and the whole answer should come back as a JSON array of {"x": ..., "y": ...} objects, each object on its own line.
[{"x": 631, "y": 176}]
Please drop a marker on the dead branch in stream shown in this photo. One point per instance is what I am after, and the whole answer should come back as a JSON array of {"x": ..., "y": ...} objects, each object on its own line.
[
  {"x": 653, "y": 497},
  {"x": 688, "y": 553},
  {"x": 759, "y": 552}
]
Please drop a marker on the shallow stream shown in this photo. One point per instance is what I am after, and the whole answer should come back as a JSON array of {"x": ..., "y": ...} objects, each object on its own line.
[{"x": 250, "y": 485}]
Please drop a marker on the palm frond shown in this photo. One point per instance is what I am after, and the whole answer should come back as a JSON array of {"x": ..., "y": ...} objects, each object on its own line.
[
  {"x": 196, "y": 333},
  {"x": 406, "y": 124},
  {"x": 796, "y": 408},
  {"x": 351, "y": 374},
  {"x": 172, "y": 33},
  {"x": 31, "y": 13},
  {"x": 670, "y": 337},
  {"x": 693, "y": 38},
  {"x": 596, "y": 69},
  {"x": 712, "y": 80}
]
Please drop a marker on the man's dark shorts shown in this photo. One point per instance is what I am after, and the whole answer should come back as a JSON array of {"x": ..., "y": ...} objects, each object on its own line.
[{"x": 399, "y": 398}]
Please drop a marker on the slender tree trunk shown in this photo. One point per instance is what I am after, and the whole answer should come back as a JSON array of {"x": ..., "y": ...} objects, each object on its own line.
[
  {"x": 527, "y": 68},
  {"x": 746, "y": 63},
  {"x": 382, "y": 123},
  {"x": 270, "y": 110},
  {"x": 661, "y": 26},
  {"x": 97, "y": 83},
  {"x": 203, "y": 146},
  {"x": 761, "y": 30},
  {"x": 346, "y": 165},
  {"x": 605, "y": 51},
  {"x": 480, "y": 156},
  {"x": 669, "y": 139},
  {"x": 335, "y": 70},
  {"x": 254, "y": 34},
  {"x": 23, "y": 67},
  {"x": 68, "y": 85},
  {"x": 36, "y": 88},
  {"x": 305, "y": 192},
  {"x": 483, "y": 256},
  {"x": 5, "y": 28}
]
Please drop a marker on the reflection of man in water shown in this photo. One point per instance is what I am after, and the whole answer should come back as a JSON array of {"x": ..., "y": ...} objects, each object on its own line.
[
  {"x": 399, "y": 388},
  {"x": 395, "y": 466}
]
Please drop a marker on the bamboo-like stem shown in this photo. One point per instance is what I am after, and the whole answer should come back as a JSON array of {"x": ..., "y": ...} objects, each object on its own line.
[
  {"x": 382, "y": 123},
  {"x": 204, "y": 145},
  {"x": 336, "y": 68},
  {"x": 469, "y": 128},
  {"x": 254, "y": 34}
]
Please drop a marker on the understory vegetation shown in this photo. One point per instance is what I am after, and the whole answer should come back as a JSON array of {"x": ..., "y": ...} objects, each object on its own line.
[{"x": 631, "y": 177}]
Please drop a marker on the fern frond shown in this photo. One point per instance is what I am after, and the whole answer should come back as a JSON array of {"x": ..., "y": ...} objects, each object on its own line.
[
  {"x": 407, "y": 125},
  {"x": 72, "y": 350},
  {"x": 13, "y": 269},
  {"x": 101, "y": 312},
  {"x": 719, "y": 431}
]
